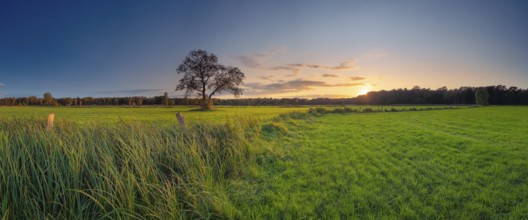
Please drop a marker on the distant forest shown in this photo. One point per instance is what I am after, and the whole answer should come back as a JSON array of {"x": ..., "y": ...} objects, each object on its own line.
[{"x": 497, "y": 95}]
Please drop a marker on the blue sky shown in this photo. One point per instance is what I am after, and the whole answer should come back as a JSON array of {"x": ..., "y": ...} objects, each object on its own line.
[{"x": 285, "y": 48}]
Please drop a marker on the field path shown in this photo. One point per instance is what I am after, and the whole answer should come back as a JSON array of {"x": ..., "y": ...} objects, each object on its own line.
[{"x": 465, "y": 163}]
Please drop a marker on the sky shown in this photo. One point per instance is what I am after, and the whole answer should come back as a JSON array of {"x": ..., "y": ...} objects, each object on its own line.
[{"x": 300, "y": 48}]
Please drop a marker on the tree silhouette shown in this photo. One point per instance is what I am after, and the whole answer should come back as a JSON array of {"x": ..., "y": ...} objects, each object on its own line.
[
  {"x": 481, "y": 96},
  {"x": 205, "y": 77},
  {"x": 165, "y": 99},
  {"x": 48, "y": 99}
]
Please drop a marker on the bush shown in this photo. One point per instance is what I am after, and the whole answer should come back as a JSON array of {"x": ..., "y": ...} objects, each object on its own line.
[
  {"x": 207, "y": 105},
  {"x": 274, "y": 129},
  {"x": 348, "y": 109},
  {"x": 368, "y": 109},
  {"x": 338, "y": 110},
  {"x": 343, "y": 110},
  {"x": 290, "y": 115},
  {"x": 318, "y": 111}
]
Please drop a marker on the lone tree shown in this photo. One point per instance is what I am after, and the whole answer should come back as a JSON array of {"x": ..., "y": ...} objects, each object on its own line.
[
  {"x": 205, "y": 77},
  {"x": 481, "y": 96}
]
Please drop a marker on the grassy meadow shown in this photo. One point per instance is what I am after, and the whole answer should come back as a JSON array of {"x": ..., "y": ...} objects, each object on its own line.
[
  {"x": 147, "y": 114},
  {"x": 264, "y": 163},
  {"x": 166, "y": 115},
  {"x": 448, "y": 164}
]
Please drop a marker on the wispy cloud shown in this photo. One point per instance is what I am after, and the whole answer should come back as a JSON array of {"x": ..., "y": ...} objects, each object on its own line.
[
  {"x": 348, "y": 64},
  {"x": 315, "y": 96},
  {"x": 357, "y": 78},
  {"x": 2, "y": 84},
  {"x": 330, "y": 75},
  {"x": 268, "y": 77},
  {"x": 258, "y": 61},
  {"x": 130, "y": 92},
  {"x": 294, "y": 72},
  {"x": 296, "y": 68},
  {"x": 293, "y": 86},
  {"x": 253, "y": 60}
]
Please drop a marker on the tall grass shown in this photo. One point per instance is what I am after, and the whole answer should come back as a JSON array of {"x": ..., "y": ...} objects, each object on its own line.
[{"x": 126, "y": 170}]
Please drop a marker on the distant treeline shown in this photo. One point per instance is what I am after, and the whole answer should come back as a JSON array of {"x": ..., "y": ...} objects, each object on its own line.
[{"x": 498, "y": 95}]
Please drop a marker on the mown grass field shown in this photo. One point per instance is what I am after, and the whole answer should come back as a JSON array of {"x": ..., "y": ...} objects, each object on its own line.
[
  {"x": 245, "y": 162},
  {"x": 448, "y": 164}
]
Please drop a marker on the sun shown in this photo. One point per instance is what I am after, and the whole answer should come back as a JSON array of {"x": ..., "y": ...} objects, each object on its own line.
[{"x": 363, "y": 91}]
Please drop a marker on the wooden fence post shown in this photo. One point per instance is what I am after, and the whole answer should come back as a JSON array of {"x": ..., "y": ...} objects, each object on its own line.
[
  {"x": 49, "y": 125},
  {"x": 181, "y": 120}
]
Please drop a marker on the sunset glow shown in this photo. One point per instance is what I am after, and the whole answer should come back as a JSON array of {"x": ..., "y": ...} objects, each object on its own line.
[{"x": 363, "y": 91}]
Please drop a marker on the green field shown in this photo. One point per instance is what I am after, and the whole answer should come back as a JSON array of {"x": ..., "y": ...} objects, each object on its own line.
[
  {"x": 464, "y": 163},
  {"x": 468, "y": 163},
  {"x": 155, "y": 115},
  {"x": 166, "y": 115}
]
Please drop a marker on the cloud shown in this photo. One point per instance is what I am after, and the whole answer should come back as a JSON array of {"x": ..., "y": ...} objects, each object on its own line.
[
  {"x": 293, "y": 86},
  {"x": 315, "y": 96},
  {"x": 253, "y": 60},
  {"x": 268, "y": 77},
  {"x": 294, "y": 72},
  {"x": 2, "y": 84},
  {"x": 348, "y": 64},
  {"x": 330, "y": 75},
  {"x": 130, "y": 92},
  {"x": 295, "y": 68},
  {"x": 357, "y": 78},
  {"x": 258, "y": 61}
]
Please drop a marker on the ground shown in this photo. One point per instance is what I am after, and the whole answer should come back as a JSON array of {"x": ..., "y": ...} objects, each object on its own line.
[
  {"x": 469, "y": 163},
  {"x": 463, "y": 163},
  {"x": 147, "y": 114}
]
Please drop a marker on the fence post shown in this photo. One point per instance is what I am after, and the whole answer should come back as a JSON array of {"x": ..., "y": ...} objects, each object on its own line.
[
  {"x": 49, "y": 125},
  {"x": 181, "y": 120}
]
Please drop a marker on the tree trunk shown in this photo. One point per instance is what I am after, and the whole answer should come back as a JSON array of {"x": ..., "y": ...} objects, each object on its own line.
[
  {"x": 204, "y": 99},
  {"x": 206, "y": 104}
]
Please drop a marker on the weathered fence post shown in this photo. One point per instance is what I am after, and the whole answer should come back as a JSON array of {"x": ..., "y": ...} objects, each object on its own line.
[
  {"x": 181, "y": 120},
  {"x": 49, "y": 125}
]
